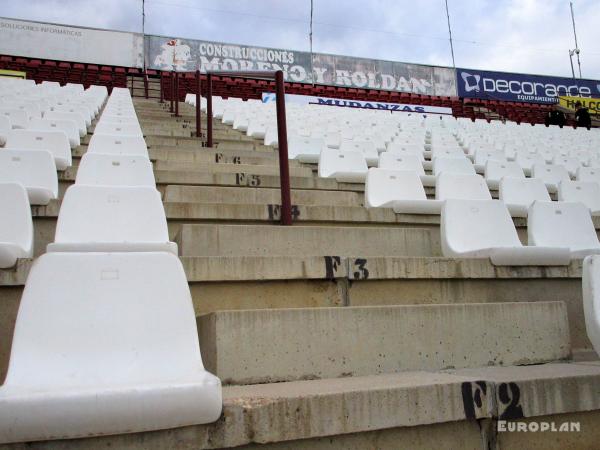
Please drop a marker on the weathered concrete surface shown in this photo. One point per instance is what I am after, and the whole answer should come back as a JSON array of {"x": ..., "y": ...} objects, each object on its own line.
[
  {"x": 258, "y": 240},
  {"x": 10, "y": 298},
  {"x": 386, "y": 411},
  {"x": 251, "y": 196},
  {"x": 213, "y": 167},
  {"x": 336, "y": 342}
]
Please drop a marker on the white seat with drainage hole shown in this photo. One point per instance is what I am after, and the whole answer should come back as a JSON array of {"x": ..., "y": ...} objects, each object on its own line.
[
  {"x": 563, "y": 224},
  {"x": 18, "y": 118},
  {"x": 68, "y": 126},
  {"x": 117, "y": 145},
  {"x": 345, "y": 167},
  {"x": 550, "y": 174},
  {"x": 33, "y": 169},
  {"x": 76, "y": 117},
  {"x": 398, "y": 189},
  {"x": 112, "y": 219},
  {"x": 518, "y": 194},
  {"x": 367, "y": 148},
  {"x": 496, "y": 170},
  {"x": 56, "y": 142},
  {"x": 401, "y": 161},
  {"x": 586, "y": 192},
  {"x": 109, "y": 340},
  {"x": 588, "y": 174},
  {"x": 484, "y": 229},
  {"x": 16, "y": 225},
  {"x": 305, "y": 149},
  {"x": 458, "y": 186},
  {"x": 115, "y": 170},
  {"x": 118, "y": 129},
  {"x": 459, "y": 165}
]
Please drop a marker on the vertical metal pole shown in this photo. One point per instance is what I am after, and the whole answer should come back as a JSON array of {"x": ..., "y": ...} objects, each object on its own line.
[
  {"x": 450, "y": 35},
  {"x": 171, "y": 81},
  {"x": 198, "y": 101},
  {"x": 146, "y": 84},
  {"x": 209, "y": 114},
  {"x": 162, "y": 94},
  {"x": 176, "y": 94},
  {"x": 284, "y": 169},
  {"x": 575, "y": 35}
]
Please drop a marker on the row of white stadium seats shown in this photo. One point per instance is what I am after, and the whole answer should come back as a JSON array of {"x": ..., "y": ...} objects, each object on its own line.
[{"x": 111, "y": 267}]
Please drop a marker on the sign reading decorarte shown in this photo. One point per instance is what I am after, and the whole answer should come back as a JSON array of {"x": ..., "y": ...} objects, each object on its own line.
[{"x": 189, "y": 55}]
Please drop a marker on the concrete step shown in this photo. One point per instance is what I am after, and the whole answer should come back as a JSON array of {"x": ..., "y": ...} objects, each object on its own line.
[
  {"x": 299, "y": 241},
  {"x": 317, "y": 343},
  {"x": 253, "y": 196},
  {"x": 212, "y": 167},
  {"x": 418, "y": 410}
]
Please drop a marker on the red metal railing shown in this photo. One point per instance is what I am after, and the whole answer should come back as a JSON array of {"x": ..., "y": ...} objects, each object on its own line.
[{"x": 284, "y": 170}]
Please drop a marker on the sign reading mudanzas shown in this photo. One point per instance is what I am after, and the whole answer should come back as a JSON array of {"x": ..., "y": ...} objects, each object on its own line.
[{"x": 189, "y": 55}]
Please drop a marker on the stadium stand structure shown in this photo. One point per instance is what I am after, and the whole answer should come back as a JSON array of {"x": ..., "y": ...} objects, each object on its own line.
[{"x": 355, "y": 327}]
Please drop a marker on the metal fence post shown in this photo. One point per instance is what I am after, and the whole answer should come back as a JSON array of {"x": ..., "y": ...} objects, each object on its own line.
[
  {"x": 209, "y": 112},
  {"x": 176, "y": 94},
  {"x": 198, "y": 102},
  {"x": 284, "y": 170}
]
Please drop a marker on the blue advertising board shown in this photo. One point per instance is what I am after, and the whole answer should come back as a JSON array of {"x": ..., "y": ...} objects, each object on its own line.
[{"x": 516, "y": 87}]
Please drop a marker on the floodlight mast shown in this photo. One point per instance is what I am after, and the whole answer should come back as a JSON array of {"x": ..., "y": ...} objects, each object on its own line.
[{"x": 576, "y": 50}]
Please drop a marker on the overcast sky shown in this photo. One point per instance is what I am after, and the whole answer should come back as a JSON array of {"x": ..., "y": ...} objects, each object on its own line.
[{"x": 532, "y": 36}]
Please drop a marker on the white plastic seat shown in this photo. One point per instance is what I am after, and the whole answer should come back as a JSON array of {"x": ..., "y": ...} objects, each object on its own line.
[
  {"x": 18, "y": 118},
  {"x": 496, "y": 170},
  {"x": 367, "y": 148},
  {"x": 588, "y": 174},
  {"x": 550, "y": 174},
  {"x": 117, "y": 145},
  {"x": 115, "y": 170},
  {"x": 16, "y": 225},
  {"x": 76, "y": 117},
  {"x": 399, "y": 147},
  {"x": 118, "y": 129},
  {"x": 483, "y": 156},
  {"x": 528, "y": 160},
  {"x": 108, "y": 340},
  {"x": 452, "y": 165},
  {"x": 447, "y": 152},
  {"x": 399, "y": 189},
  {"x": 563, "y": 224},
  {"x": 112, "y": 219},
  {"x": 591, "y": 299},
  {"x": 484, "y": 229},
  {"x": 5, "y": 127},
  {"x": 113, "y": 118},
  {"x": 80, "y": 109},
  {"x": 586, "y": 192},
  {"x": 33, "y": 169},
  {"x": 347, "y": 167},
  {"x": 518, "y": 194},
  {"x": 68, "y": 126},
  {"x": 56, "y": 142},
  {"x": 305, "y": 149},
  {"x": 568, "y": 162},
  {"x": 401, "y": 161},
  {"x": 458, "y": 186}
]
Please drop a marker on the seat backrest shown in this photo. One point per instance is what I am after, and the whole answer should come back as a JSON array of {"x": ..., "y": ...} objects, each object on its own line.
[
  {"x": 84, "y": 313},
  {"x": 496, "y": 170},
  {"x": 588, "y": 174},
  {"x": 56, "y": 142},
  {"x": 109, "y": 214},
  {"x": 61, "y": 115},
  {"x": 332, "y": 161},
  {"x": 18, "y": 118},
  {"x": 401, "y": 161},
  {"x": 118, "y": 129},
  {"x": 112, "y": 118},
  {"x": 120, "y": 145},
  {"x": 561, "y": 224},
  {"x": 550, "y": 173},
  {"x": 30, "y": 168},
  {"x": 70, "y": 127},
  {"x": 471, "y": 225},
  {"x": 384, "y": 186},
  {"x": 586, "y": 192},
  {"x": 522, "y": 190},
  {"x": 457, "y": 165},
  {"x": 458, "y": 186},
  {"x": 115, "y": 170},
  {"x": 447, "y": 152},
  {"x": 16, "y": 226},
  {"x": 302, "y": 145}
]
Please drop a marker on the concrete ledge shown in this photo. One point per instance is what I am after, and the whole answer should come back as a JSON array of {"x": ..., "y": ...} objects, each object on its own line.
[
  {"x": 213, "y": 167},
  {"x": 300, "y": 241},
  {"x": 316, "y": 343},
  {"x": 295, "y": 414}
]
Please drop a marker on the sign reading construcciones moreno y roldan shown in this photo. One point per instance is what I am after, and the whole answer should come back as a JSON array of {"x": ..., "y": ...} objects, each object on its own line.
[{"x": 66, "y": 43}]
